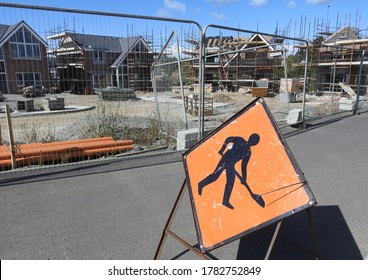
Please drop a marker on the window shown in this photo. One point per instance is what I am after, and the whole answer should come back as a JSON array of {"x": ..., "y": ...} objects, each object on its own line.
[
  {"x": 24, "y": 45},
  {"x": 2, "y": 65},
  {"x": 101, "y": 81},
  {"x": 3, "y": 87},
  {"x": 28, "y": 79},
  {"x": 95, "y": 81},
  {"x": 98, "y": 57},
  {"x": 138, "y": 47}
]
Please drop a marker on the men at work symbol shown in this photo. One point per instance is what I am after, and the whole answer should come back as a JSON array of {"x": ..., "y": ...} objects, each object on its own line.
[{"x": 237, "y": 149}]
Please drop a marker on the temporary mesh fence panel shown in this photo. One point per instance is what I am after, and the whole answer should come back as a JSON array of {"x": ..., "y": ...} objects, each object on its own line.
[
  {"x": 172, "y": 82},
  {"x": 243, "y": 65},
  {"x": 73, "y": 75},
  {"x": 337, "y": 77},
  {"x": 299, "y": 79},
  {"x": 86, "y": 84}
]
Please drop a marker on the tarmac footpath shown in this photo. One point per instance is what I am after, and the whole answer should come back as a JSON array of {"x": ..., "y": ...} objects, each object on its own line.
[{"x": 117, "y": 209}]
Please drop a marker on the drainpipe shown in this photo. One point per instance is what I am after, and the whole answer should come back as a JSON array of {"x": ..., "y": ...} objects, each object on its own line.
[{"x": 117, "y": 77}]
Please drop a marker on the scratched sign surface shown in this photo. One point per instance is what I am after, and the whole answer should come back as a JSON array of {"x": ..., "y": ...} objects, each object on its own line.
[{"x": 242, "y": 177}]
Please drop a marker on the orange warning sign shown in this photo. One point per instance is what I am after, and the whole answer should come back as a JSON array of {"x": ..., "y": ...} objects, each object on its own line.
[{"x": 242, "y": 176}]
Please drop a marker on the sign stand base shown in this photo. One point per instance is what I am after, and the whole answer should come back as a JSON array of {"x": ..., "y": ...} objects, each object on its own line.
[
  {"x": 167, "y": 230},
  {"x": 194, "y": 249},
  {"x": 275, "y": 236}
]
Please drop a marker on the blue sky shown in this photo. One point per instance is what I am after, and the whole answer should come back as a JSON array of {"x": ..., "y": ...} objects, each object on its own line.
[{"x": 262, "y": 15}]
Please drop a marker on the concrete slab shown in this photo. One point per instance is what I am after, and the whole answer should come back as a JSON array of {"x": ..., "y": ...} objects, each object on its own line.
[{"x": 294, "y": 116}]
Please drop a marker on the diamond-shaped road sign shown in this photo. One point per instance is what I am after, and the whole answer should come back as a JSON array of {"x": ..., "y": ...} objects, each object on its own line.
[{"x": 242, "y": 176}]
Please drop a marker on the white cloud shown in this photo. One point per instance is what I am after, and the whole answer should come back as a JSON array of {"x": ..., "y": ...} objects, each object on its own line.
[
  {"x": 291, "y": 4},
  {"x": 218, "y": 16},
  {"x": 219, "y": 2},
  {"x": 163, "y": 13},
  {"x": 258, "y": 2},
  {"x": 317, "y": 1},
  {"x": 175, "y": 6}
]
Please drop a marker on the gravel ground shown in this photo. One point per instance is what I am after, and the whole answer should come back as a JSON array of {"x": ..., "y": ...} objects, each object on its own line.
[
  {"x": 137, "y": 119},
  {"x": 118, "y": 117}
]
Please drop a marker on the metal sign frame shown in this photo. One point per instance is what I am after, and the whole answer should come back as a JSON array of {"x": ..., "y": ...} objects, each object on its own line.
[
  {"x": 303, "y": 184},
  {"x": 204, "y": 252}
]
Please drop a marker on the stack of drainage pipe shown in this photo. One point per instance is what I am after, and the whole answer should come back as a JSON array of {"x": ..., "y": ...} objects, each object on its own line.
[{"x": 62, "y": 152}]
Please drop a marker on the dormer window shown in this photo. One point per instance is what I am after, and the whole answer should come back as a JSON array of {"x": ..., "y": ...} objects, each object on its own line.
[
  {"x": 98, "y": 56},
  {"x": 24, "y": 45}
]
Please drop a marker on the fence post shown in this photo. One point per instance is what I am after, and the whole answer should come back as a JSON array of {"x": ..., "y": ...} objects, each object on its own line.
[
  {"x": 356, "y": 105},
  {"x": 201, "y": 79},
  {"x": 11, "y": 137},
  {"x": 303, "y": 125}
]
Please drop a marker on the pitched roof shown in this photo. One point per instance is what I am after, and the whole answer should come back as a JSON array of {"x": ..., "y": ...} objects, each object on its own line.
[
  {"x": 6, "y": 31},
  {"x": 108, "y": 43},
  {"x": 126, "y": 45},
  {"x": 3, "y": 29},
  {"x": 344, "y": 33},
  {"x": 230, "y": 41}
]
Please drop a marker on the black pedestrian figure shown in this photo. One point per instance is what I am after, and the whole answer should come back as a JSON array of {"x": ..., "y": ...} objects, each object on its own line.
[{"x": 237, "y": 149}]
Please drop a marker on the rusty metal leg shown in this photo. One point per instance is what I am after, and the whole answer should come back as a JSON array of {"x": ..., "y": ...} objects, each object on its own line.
[
  {"x": 188, "y": 246},
  {"x": 170, "y": 220},
  {"x": 274, "y": 237},
  {"x": 314, "y": 235}
]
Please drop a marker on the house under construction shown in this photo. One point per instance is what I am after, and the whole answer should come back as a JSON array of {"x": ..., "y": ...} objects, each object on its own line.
[
  {"x": 83, "y": 62},
  {"x": 334, "y": 58},
  {"x": 340, "y": 58},
  {"x": 232, "y": 63}
]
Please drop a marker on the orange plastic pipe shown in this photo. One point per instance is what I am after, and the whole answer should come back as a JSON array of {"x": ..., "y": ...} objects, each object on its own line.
[
  {"x": 25, "y": 149},
  {"x": 70, "y": 155},
  {"x": 67, "y": 142},
  {"x": 28, "y": 150},
  {"x": 5, "y": 152},
  {"x": 90, "y": 145}
]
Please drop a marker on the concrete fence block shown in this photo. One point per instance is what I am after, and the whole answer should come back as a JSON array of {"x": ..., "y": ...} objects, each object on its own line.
[
  {"x": 51, "y": 104},
  {"x": 188, "y": 138}
]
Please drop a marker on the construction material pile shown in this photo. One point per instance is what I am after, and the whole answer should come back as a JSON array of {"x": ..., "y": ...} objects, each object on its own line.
[{"x": 62, "y": 152}]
